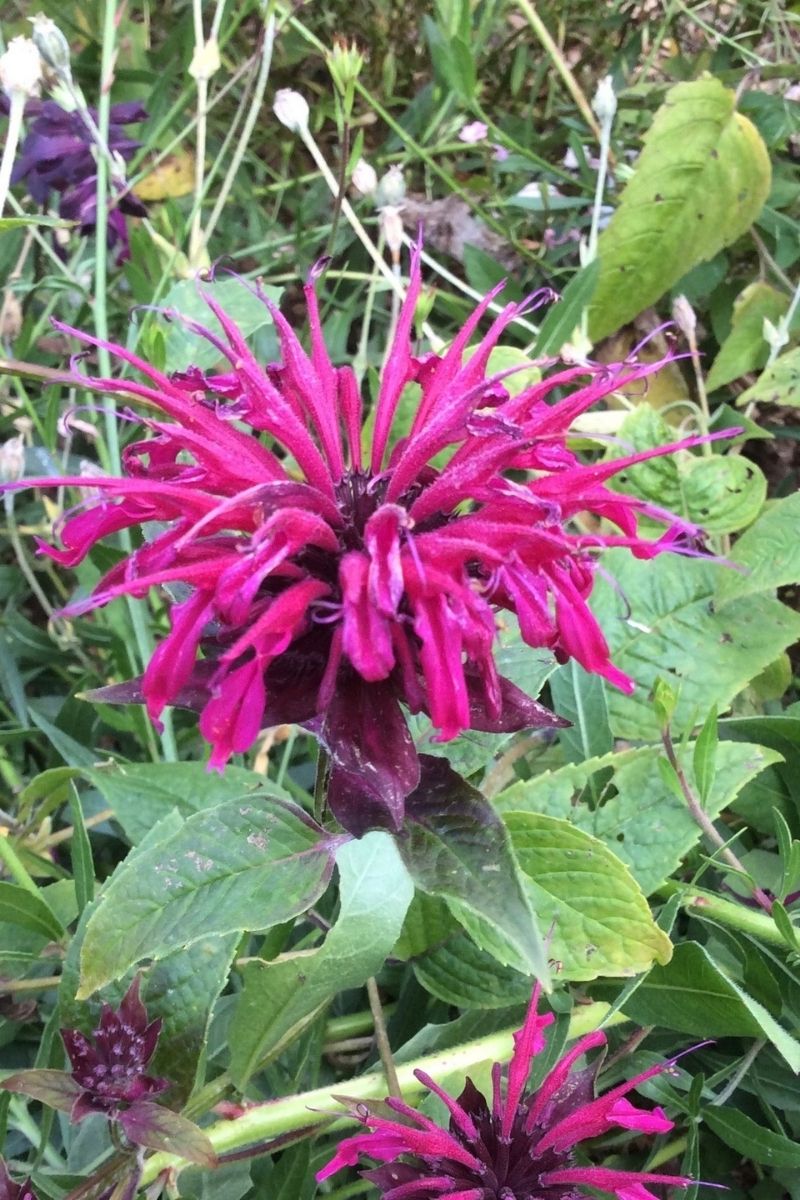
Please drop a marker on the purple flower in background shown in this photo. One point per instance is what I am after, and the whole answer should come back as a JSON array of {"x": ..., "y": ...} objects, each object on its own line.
[
  {"x": 109, "y": 1067},
  {"x": 326, "y": 577},
  {"x": 14, "y": 1191},
  {"x": 517, "y": 1146},
  {"x": 476, "y": 131},
  {"x": 58, "y": 156}
]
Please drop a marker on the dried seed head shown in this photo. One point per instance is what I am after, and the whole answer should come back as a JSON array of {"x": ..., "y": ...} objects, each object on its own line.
[{"x": 20, "y": 68}]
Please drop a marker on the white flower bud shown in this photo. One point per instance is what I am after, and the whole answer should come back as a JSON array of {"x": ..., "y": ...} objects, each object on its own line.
[
  {"x": 52, "y": 45},
  {"x": 291, "y": 109},
  {"x": 392, "y": 228},
  {"x": 391, "y": 188},
  {"x": 605, "y": 100},
  {"x": 20, "y": 68},
  {"x": 12, "y": 459},
  {"x": 684, "y": 317},
  {"x": 364, "y": 178},
  {"x": 205, "y": 60}
]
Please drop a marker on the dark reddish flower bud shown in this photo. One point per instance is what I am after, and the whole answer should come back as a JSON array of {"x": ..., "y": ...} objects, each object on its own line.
[
  {"x": 14, "y": 1191},
  {"x": 517, "y": 1146},
  {"x": 110, "y": 1066}
]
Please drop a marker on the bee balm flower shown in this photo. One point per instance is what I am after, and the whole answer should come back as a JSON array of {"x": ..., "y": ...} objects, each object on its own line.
[
  {"x": 516, "y": 1146},
  {"x": 328, "y": 585}
]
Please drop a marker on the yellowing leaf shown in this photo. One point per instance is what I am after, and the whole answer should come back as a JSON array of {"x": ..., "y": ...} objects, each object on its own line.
[
  {"x": 700, "y": 182},
  {"x": 171, "y": 178},
  {"x": 745, "y": 348}
]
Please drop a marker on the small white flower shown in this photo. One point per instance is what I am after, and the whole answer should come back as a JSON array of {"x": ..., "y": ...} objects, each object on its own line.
[
  {"x": 364, "y": 178},
  {"x": 12, "y": 459},
  {"x": 291, "y": 109},
  {"x": 20, "y": 68},
  {"x": 392, "y": 228},
  {"x": 391, "y": 188},
  {"x": 605, "y": 100}
]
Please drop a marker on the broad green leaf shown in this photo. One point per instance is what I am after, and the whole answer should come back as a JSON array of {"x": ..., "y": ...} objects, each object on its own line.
[
  {"x": 580, "y": 697},
  {"x": 673, "y": 626},
  {"x": 722, "y": 493},
  {"x": 456, "y": 847},
  {"x": 778, "y": 384},
  {"x": 745, "y": 348},
  {"x": 142, "y": 793},
  {"x": 648, "y": 827},
  {"x": 768, "y": 553},
  {"x": 247, "y": 864},
  {"x": 185, "y": 348},
  {"x": 565, "y": 314},
  {"x": 692, "y": 995},
  {"x": 281, "y": 997},
  {"x": 601, "y": 922},
  {"x": 700, "y": 182},
  {"x": 28, "y": 910},
  {"x": 428, "y": 923},
  {"x": 750, "y": 1140},
  {"x": 459, "y": 972}
]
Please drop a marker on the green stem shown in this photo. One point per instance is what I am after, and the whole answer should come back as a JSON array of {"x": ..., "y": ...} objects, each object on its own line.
[
  {"x": 15, "y": 114},
  {"x": 559, "y": 62},
  {"x": 707, "y": 905},
  {"x": 265, "y": 1121}
]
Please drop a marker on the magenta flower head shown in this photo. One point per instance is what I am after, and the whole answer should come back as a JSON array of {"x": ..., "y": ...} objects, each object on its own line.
[
  {"x": 109, "y": 1067},
  {"x": 317, "y": 580},
  {"x": 14, "y": 1191},
  {"x": 518, "y": 1146},
  {"x": 58, "y": 157}
]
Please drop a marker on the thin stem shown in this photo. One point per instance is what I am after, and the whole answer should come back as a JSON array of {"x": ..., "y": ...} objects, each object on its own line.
[
  {"x": 559, "y": 62},
  {"x": 382, "y": 1038},
  {"x": 701, "y": 817},
  {"x": 12, "y": 987},
  {"x": 64, "y": 835},
  {"x": 708, "y": 906},
  {"x": 360, "y": 361},
  {"x": 15, "y": 114},
  {"x": 741, "y": 1072},
  {"x": 21, "y": 557}
]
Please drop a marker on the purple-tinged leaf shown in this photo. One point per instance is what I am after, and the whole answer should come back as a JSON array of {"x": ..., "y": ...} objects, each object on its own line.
[
  {"x": 148, "y": 1124},
  {"x": 56, "y": 1089}
]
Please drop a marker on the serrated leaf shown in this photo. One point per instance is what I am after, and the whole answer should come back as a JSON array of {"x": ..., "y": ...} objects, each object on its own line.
[
  {"x": 26, "y": 909},
  {"x": 700, "y": 182},
  {"x": 246, "y": 864},
  {"x": 745, "y": 348},
  {"x": 455, "y": 846},
  {"x": 459, "y": 972},
  {"x": 722, "y": 493},
  {"x": 673, "y": 626},
  {"x": 142, "y": 793},
  {"x": 768, "y": 553},
  {"x": 646, "y": 824},
  {"x": 601, "y": 922},
  {"x": 280, "y": 997},
  {"x": 692, "y": 995},
  {"x": 778, "y": 384},
  {"x": 184, "y": 348},
  {"x": 149, "y": 1124}
]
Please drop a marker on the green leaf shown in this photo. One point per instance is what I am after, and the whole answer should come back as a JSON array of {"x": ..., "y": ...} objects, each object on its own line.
[
  {"x": 768, "y": 552},
  {"x": 246, "y": 864},
  {"x": 185, "y": 348},
  {"x": 673, "y": 626},
  {"x": 648, "y": 827},
  {"x": 281, "y": 997},
  {"x": 601, "y": 922},
  {"x": 456, "y": 847},
  {"x": 149, "y": 1124},
  {"x": 26, "y": 221},
  {"x": 749, "y": 1140},
  {"x": 142, "y": 793},
  {"x": 459, "y": 972},
  {"x": 692, "y": 995},
  {"x": 705, "y": 756},
  {"x": 721, "y": 493},
  {"x": 28, "y": 910},
  {"x": 565, "y": 314},
  {"x": 745, "y": 348},
  {"x": 700, "y": 182},
  {"x": 580, "y": 697},
  {"x": 82, "y": 863},
  {"x": 778, "y": 384}
]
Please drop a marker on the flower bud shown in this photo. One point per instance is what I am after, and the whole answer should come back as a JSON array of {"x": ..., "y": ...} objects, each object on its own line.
[
  {"x": 345, "y": 63},
  {"x": 684, "y": 317},
  {"x": 291, "y": 109},
  {"x": 364, "y": 178},
  {"x": 12, "y": 459},
  {"x": 205, "y": 60},
  {"x": 391, "y": 189},
  {"x": 20, "y": 68},
  {"x": 10, "y": 316},
  {"x": 605, "y": 100},
  {"x": 52, "y": 45},
  {"x": 392, "y": 228}
]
